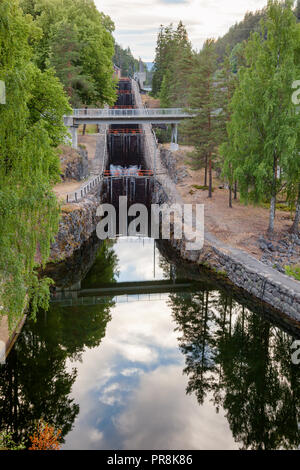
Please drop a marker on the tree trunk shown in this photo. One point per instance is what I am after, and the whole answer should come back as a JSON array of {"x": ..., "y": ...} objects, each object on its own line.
[
  {"x": 295, "y": 226},
  {"x": 230, "y": 196},
  {"x": 273, "y": 199},
  {"x": 230, "y": 187},
  {"x": 205, "y": 173},
  {"x": 84, "y": 125},
  {"x": 235, "y": 190},
  {"x": 210, "y": 178}
]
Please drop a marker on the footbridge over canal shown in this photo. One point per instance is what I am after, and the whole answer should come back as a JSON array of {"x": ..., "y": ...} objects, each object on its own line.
[
  {"x": 125, "y": 117},
  {"x": 127, "y": 149}
]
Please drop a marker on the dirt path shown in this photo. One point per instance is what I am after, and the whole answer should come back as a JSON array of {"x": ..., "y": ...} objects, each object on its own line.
[
  {"x": 70, "y": 186},
  {"x": 240, "y": 226},
  {"x": 90, "y": 142},
  {"x": 62, "y": 189}
]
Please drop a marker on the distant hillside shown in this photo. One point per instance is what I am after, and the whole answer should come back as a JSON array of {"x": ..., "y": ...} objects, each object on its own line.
[{"x": 239, "y": 32}]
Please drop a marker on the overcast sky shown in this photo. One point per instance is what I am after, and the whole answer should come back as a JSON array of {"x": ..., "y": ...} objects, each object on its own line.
[{"x": 137, "y": 21}]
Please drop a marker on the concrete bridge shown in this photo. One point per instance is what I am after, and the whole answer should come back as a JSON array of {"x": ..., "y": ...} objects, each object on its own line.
[{"x": 107, "y": 116}]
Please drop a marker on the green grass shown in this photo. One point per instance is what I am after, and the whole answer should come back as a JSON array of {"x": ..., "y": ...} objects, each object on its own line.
[
  {"x": 202, "y": 188},
  {"x": 293, "y": 271},
  {"x": 90, "y": 129},
  {"x": 279, "y": 206}
]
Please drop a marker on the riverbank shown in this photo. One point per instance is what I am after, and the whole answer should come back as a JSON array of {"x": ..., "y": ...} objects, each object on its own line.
[{"x": 243, "y": 269}]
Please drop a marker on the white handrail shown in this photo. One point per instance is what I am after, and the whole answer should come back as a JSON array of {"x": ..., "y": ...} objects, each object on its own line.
[{"x": 140, "y": 112}]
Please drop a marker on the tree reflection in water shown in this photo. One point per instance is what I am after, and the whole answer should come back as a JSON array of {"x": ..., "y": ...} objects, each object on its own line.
[
  {"x": 37, "y": 380},
  {"x": 235, "y": 357},
  {"x": 243, "y": 362}
]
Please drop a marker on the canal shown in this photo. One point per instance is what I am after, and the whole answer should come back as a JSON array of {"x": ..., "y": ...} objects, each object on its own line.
[{"x": 139, "y": 352}]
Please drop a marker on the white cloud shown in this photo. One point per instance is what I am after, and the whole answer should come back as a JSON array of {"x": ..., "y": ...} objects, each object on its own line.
[
  {"x": 136, "y": 261},
  {"x": 161, "y": 415},
  {"x": 137, "y": 21}
]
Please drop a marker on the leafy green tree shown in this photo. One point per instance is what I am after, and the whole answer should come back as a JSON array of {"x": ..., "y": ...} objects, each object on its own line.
[
  {"x": 77, "y": 40},
  {"x": 264, "y": 128},
  {"x": 31, "y": 126}
]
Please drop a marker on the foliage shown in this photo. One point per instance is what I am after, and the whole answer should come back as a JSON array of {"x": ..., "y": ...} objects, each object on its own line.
[
  {"x": 77, "y": 41},
  {"x": 45, "y": 437},
  {"x": 239, "y": 32},
  {"x": 239, "y": 362},
  {"x": 30, "y": 128},
  {"x": 7, "y": 442},
  {"x": 204, "y": 128},
  {"x": 56, "y": 339},
  {"x": 264, "y": 128},
  {"x": 173, "y": 62},
  {"x": 293, "y": 271}
]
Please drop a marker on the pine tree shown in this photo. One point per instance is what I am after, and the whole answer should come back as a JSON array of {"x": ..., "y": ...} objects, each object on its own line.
[
  {"x": 164, "y": 94},
  {"x": 173, "y": 64},
  {"x": 204, "y": 129},
  {"x": 65, "y": 59}
]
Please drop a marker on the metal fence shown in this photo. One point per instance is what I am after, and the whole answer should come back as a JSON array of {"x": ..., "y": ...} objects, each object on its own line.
[{"x": 86, "y": 188}]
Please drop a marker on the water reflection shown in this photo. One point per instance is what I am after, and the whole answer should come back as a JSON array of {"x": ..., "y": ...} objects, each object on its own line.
[
  {"x": 111, "y": 375},
  {"x": 244, "y": 364}
]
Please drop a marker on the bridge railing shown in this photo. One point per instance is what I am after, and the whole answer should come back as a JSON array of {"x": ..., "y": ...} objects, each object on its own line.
[{"x": 139, "y": 112}]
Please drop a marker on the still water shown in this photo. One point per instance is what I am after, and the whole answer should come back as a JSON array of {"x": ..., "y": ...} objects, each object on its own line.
[{"x": 135, "y": 355}]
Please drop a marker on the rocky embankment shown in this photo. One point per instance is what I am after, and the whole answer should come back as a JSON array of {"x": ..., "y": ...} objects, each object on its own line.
[
  {"x": 281, "y": 253},
  {"x": 78, "y": 223},
  {"x": 169, "y": 161},
  {"x": 74, "y": 163},
  {"x": 78, "y": 220}
]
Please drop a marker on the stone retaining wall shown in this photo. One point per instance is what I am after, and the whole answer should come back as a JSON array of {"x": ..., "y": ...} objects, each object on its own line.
[
  {"x": 246, "y": 272},
  {"x": 77, "y": 224},
  {"x": 243, "y": 270}
]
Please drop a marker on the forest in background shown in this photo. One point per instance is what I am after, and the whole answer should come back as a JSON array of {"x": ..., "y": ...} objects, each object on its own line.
[{"x": 246, "y": 126}]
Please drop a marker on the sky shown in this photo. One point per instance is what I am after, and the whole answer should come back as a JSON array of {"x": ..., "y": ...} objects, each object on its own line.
[{"x": 137, "y": 21}]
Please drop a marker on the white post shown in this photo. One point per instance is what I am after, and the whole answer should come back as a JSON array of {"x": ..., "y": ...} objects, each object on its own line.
[
  {"x": 73, "y": 130},
  {"x": 174, "y": 138}
]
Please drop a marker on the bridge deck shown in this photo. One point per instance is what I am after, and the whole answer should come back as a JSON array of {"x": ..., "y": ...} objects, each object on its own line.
[{"x": 128, "y": 116}]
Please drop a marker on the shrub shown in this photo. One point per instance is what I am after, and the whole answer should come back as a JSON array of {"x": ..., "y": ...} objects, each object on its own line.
[{"x": 45, "y": 437}]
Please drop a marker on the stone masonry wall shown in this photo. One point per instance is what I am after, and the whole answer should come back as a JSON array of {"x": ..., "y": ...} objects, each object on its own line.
[
  {"x": 243, "y": 270},
  {"x": 77, "y": 224}
]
